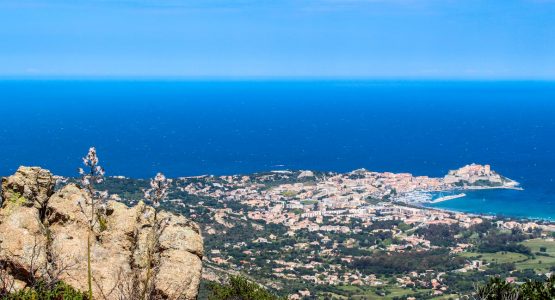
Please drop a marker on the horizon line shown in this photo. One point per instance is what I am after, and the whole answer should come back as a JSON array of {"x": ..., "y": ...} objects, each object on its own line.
[{"x": 263, "y": 78}]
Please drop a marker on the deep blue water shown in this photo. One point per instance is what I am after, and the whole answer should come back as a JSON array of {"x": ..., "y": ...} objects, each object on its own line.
[{"x": 227, "y": 127}]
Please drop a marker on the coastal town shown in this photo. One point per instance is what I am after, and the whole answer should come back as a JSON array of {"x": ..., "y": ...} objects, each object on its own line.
[
  {"x": 309, "y": 234},
  {"x": 368, "y": 196}
]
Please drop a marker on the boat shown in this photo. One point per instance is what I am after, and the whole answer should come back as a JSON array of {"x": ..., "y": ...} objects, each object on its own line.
[{"x": 415, "y": 197}]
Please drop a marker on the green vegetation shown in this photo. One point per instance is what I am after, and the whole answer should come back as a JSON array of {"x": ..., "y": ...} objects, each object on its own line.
[
  {"x": 536, "y": 245},
  {"x": 289, "y": 194},
  {"x": 239, "y": 288},
  {"x": 131, "y": 189},
  {"x": 60, "y": 291},
  {"x": 308, "y": 202},
  {"x": 497, "y": 242},
  {"x": 440, "y": 235},
  {"x": 538, "y": 260},
  {"x": 538, "y": 263},
  {"x": 496, "y": 258},
  {"x": 297, "y": 211},
  {"x": 497, "y": 289},
  {"x": 15, "y": 200},
  {"x": 404, "y": 262},
  {"x": 380, "y": 293}
]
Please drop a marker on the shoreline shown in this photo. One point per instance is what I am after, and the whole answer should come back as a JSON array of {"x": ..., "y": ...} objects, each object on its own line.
[
  {"x": 484, "y": 215},
  {"x": 550, "y": 220},
  {"x": 462, "y": 193},
  {"x": 478, "y": 188},
  {"x": 491, "y": 215}
]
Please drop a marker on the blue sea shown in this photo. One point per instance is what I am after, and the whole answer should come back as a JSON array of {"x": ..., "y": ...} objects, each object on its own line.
[{"x": 227, "y": 127}]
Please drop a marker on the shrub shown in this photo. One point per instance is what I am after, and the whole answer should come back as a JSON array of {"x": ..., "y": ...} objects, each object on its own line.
[
  {"x": 497, "y": 289},
  {"x": 60, "y": 291},
  {"x": 239, "y": 288}
]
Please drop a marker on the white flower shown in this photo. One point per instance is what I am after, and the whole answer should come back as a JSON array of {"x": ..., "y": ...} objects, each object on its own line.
[
  {"x": 99, "y": 170},
  {"x": 96, "y": 172},
  {"x": 103, "y": 194},
  {"x": 93, "y": 173},
  {"x": 91, "y": 160},
  {"x": 158, "y": 191}
]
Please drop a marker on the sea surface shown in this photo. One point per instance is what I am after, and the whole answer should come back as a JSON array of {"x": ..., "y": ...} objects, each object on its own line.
[{"x": 227, "y": 127}]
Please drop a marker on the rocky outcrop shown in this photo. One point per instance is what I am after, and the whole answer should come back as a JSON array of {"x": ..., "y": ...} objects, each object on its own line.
[
  {"x": 22, "y": 234},
  {"x": 36, "y": 244},
  {"x": 31, "y": 185}
]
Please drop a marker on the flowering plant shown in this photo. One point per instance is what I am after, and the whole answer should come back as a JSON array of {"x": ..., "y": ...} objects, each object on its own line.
[
  {"x": 93, "y": 175},
  {"x": 158, "y": 190},
  {"x": 94, "y": 208}
]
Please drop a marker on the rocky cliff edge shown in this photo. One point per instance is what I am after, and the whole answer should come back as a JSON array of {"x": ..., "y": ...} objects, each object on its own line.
[{"x": 43, "y": 235}]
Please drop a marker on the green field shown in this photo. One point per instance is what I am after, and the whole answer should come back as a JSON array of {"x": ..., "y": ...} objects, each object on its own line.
[
  {"x": 498, "y": 257},
  {"x": 522, "y": 262},
  {"x": 535, "y": 245},
  {"x": 539, "y": 263},
  {"x": 369, "y": 293},
  {"x": 307, "y": 202}
]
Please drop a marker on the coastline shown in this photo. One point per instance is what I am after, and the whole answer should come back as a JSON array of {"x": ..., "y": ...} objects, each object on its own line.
[
  {"x": 495, "y": 207},
  {"x": 477, "y": 188},
  {"x": 475, "y": 210},
  {"x": 486, "y": 215},
  {"x": 467, "y": 191}
]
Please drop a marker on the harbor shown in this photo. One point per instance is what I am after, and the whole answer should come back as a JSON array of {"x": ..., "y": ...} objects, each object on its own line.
[{"x": 447, "y": 198}]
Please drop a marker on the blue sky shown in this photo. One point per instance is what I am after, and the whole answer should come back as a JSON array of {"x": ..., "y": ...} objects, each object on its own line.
[{"x": 468, "y": 39}]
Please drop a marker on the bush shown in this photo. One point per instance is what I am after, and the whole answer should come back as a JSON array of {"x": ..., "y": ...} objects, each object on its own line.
[
  {"x": 440, "y": 235},
  {"x": 500, "y": 242},
  {"x": 60, "y": 291},
  {"x": 239, "y": 288},
  {"x": 404, "y": 262},
  {"x": 497, "y": 289}
]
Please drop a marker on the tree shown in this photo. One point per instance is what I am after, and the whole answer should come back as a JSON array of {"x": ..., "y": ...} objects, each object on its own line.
[{"x": 497, "y": 289}]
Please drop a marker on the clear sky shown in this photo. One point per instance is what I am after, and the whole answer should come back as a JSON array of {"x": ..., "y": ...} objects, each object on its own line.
[{"x": 483, "y": 39}]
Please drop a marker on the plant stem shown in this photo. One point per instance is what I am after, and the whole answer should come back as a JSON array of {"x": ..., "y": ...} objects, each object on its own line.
[
  {"x": 145, "y": 289},
  {"x": 91, "y": 228},
  {"x": 89, "y": 272}
]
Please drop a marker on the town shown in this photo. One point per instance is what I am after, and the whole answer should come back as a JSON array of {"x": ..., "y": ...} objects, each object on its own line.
[
  {"x": 340, "y": 197},
  {"x": 312, "y": 234}
]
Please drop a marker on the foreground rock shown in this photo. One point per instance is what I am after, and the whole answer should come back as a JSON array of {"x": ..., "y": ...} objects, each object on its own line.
[{"x": 44, "y": 234}]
